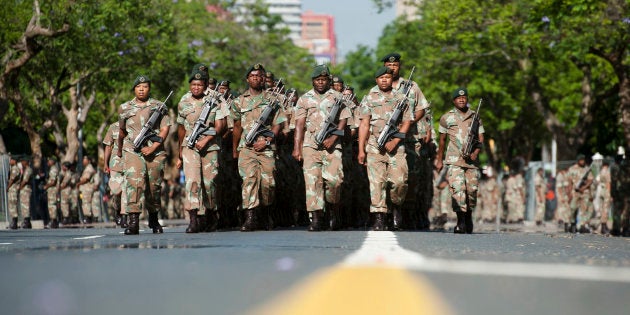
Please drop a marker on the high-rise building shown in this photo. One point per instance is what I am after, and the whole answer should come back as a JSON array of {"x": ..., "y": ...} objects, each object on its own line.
[
  {"x": 318, "y": 36},
  {"x": 290, "y": 12}
]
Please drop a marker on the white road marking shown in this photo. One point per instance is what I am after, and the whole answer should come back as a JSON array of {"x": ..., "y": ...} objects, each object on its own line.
[
  {"x": 382, "y": 249},
  {"x": 88, "y": 237},
  {"x": 6, "y": 243}
]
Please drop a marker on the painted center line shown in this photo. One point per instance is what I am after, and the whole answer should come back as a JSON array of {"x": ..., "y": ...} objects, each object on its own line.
[
  {"x": 6, "y": 243},
  {"x": 88, "y": 237}
]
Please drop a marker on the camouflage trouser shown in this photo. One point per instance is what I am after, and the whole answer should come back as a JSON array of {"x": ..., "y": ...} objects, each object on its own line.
[
  {"x": 257, "y": 171},
  {"x": 96, "y": 204},
  {"x": 51, "y": 196},
  {"x": 581, "y": 207},
  {"x": 116, "y": 183},
  {"x": 446, "y": 202},
  {"x": 65, "y": 201},
  {"x": 384, "y": 169},
  {"x": 489, "y": 209},
  {"x": 25, "y": 201},
  {"x": 143, "y": 181},
  {"x": 540, "y": 209},
  {"x": 464, "y": 185},
  {"x": 606, "y": 202},
  {"x": 86, "y": 199},
  {"x": 562, "y": 210},
  {"x": 323, "y": 176},
  {"x": 200, "y": 172},
  {"x": 516, "y": 209},
  {"x": 13, "y": 198}
]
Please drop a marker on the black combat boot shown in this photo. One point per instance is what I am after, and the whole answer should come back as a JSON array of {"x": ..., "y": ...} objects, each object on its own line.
[
  {"x": 397, "y": 219},
  {"x": 335, "y": 217},
  {"x": 250, "y": 221},
  {"x": 124, "y": 221},
  {"x": 212, "y": 220},
  {"x": 202, "y": 223},
  {"x": 133, "y": 226},
  {"x": 567, "y": 227},
  {"x": 573, "y": 228},
  {"x": 379, "y": 222},
  {"x": 13, "y": 225},
  {"x": 584, "y": 229},
  {"x": 460, "y": 228},
  {"x": 26, "y": 224},
  {"x": 316, "y": 218},
  {"x": 119, "y": 219},
  {"x": 604, "y": 230},
  {"x": 154, "y": 223},
  {"x": 87, "y": 219},
  {"x": 54, "y": 224},
  {"x": 468, "y": 221},
  {"x": 193, "y": 226}
]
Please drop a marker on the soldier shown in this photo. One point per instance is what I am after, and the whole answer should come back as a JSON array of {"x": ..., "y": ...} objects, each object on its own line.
[
  {"x": 96, "y": 195},
  {"x": 337, "y": 83},
  {"x": 562, "y": 197},
  {"x": 540, "y": 188},
  {"x": 463, "y": 172},
  {"x": 489, "y": 197},
  {"x": 580, "y": 179},
  {"x": 270, "y": 80},
  {"x": 441, "y": 199},
  {"x": 212, "y": 84},
  {"x": 13, "y": 189},
  {"x": 420, "y": 168},
  {"x": 323, "y": 171},
  {"x": 65, "y": 192},
  {"x": 256, "y": 161},
  {"x": 52, "y": 192},
  {"x": 201, "y": 162},
  {"x": 144, "y": 170},
  {"x": 604, "y": 195},
  {"x": 86, "y": 187},
  {"x": 25, "y": 192},
  {"x": 515, "y": 197},
  {"x": 114, "y": 167},
  {"x": 388, "y": 167}
]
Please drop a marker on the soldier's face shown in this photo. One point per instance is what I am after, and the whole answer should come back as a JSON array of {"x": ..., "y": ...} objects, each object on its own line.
[
  {"x": 197, "y": 87},
  {"x": 269, "y": 83},
  {"x": 338, "y": 86},
  {"x": 461, "y": 102},
  {"x": 255, "y": 80},
  {"x": 395, "y": 66},
  {"x": 384, "y": 82},
  {"x": 581, "y": 162},
  {"x": 142, "y": 91},
  {"x": 321, "y": 84},
  {"x": 223, "y": 89}
]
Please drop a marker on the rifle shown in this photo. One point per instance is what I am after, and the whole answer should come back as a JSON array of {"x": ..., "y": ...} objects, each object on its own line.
[
  {"x": 442, "y": 175},
  {"x": 583, "y": 179},
  {"x": 147, "y": 132},
  {"x": 472, "y": 139},
  {"x": 200, "y": 127},
  {"x": 390, "y": 130},
  {"x": 258, "y": 128},
  {"x": 329, "y": 127}
]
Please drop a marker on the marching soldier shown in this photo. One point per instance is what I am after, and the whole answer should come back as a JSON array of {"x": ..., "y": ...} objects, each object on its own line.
[
  {"x": 420, "y": 169},
  {"x": 114, "y": 167},
  {"x": 86, "y": 187},
  {"x": 52, "y": 192},
  {"x": 580, "y": 179},
  {"x": 515, "y": 197},
  {"x": 540, "y": 187},
  {"x": 388, "y": 167},
  {"x": 144, "y": 170},
  {"x": 65, "y": 193},
  {"x": 25, "y": 193},
  {"x": 604, "y": 183},
  {"x": 463, "y": 172},
  {"x": 200, "y": 163},
  {"x": 337, "y": 83},
  {"x": 562, "y": 197},
  {"x": 256, "y": 161},
  {"x": 489, "y": 197},
  {"x": 13, "y": 189},
  {"x": 323, "y": 172}
]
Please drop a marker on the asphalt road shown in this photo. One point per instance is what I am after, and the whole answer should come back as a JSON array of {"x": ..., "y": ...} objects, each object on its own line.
[{"x": 101, "y": 271}]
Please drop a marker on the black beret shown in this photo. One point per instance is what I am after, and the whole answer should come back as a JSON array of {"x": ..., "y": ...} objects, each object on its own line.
[
  {"x": 461, "y": 91},
  {"x": 225, "y": 83},
  {"x": 269, "y": 74},
  {"x": 580, "y": 157},
  {"x": 255, "y": 67},
  {"x": 337, "y": 79},
  {"x": 320, "y": 70},
  {"x": 382, "y": 70},
  {"x": 141, "y": 79},
  {"x": 392, "y": 57}
]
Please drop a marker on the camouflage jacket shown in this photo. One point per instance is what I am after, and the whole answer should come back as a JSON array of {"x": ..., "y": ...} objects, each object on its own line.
[
  {"x": 135, "y": 117},
  {"x": 189, "y": 110},
  {"x": 315, "y": 108},
  {"x": 455, "y": 124}
]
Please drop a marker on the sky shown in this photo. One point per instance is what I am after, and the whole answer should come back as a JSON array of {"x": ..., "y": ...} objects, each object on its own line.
[{"x": 356, "y": 21}]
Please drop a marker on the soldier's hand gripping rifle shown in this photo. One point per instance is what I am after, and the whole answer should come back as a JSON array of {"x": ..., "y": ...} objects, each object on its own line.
[
  {"x": 329, "y": 127},
  {"x": 472, "y": 139},
  {"x": 391, "y": 128},
  {"x": 147, "y": 132},
  {"x": 258, "y": 129},
  {"x": 200, "y": 128},
  {"x": 582, "y": 181}
]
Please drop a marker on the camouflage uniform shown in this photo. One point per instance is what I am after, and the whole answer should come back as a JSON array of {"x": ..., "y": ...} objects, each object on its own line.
[
  {"x": 515, "y": 198},
  {"x": 13, "y": 192},
  {"x": 96, "y": 194},
  {"x": 143, "y": 175},
  {"x": 116, "y": 178},
  {"x": 66, "y": 193},
  {"x": 87, "y": 189},
  {"x": 53, "y": 191},
  {"x": 384, "y": 168},
  {"x": 25, "y": 192},
  {"x": 489, "y": 199},
  {"x": 562, "y": 197},
  {"x": 255, "y": 168},
  {"x": 323, "y": 171},
  {"x": 581, "y": 204},
  {"x": 540, "y": 187},
  {"x": 604, "y": 195},
  {"x": 463, "y": 176},
  {"x": 200, "y": 168}
]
